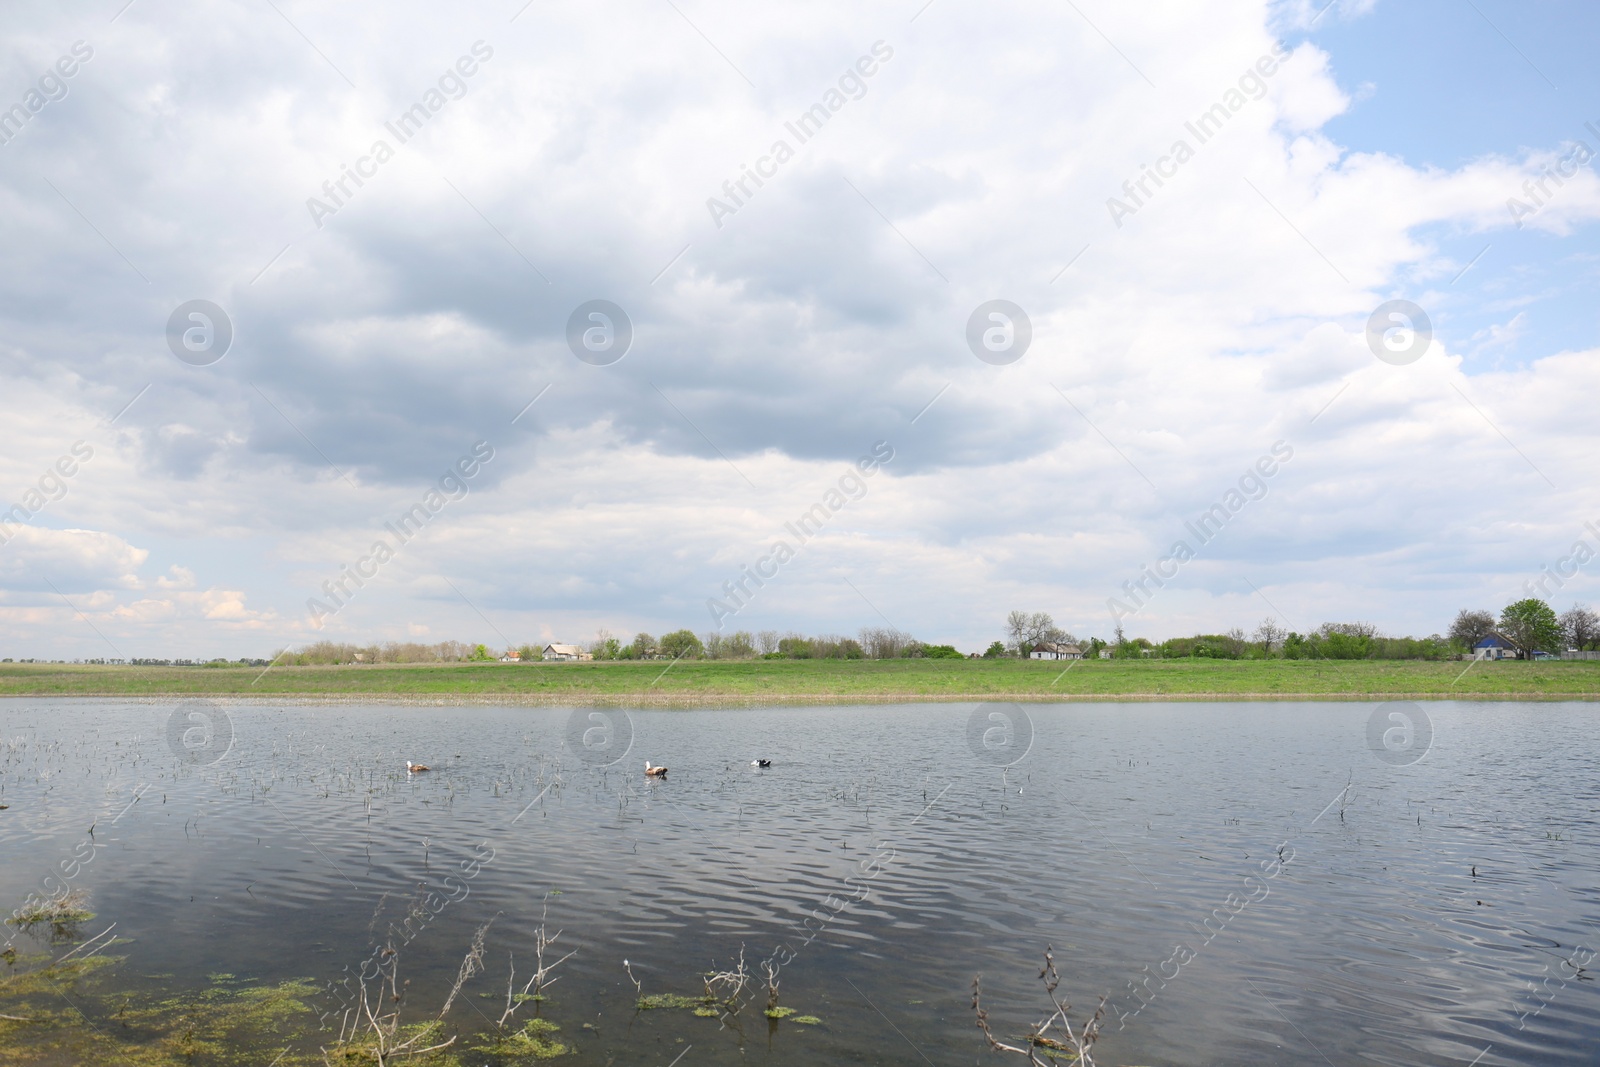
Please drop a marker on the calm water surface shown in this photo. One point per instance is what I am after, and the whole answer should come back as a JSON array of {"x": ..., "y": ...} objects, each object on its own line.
[{"x": 1248, "y": 883}]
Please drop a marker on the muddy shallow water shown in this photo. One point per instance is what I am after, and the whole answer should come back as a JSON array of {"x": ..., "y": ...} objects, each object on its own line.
[{"x": 1246, "y": 883}]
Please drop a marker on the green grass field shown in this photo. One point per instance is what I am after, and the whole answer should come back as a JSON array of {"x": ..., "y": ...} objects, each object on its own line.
[{"x": 832, "y": 681}]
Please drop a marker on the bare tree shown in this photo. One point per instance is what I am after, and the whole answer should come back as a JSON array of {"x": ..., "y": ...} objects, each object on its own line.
[
  {"x": 1581, "y": 627},
  {"x": 1269, "y": 633},
  {"x": 1470, "y": 627},
  {"x": 767, "y": 641},
  {"x": 1023, "y": 631},
  {"x": 883, "y": 642}
]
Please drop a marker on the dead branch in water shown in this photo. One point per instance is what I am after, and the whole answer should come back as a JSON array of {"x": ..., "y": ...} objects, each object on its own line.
[
  {"x": 726, "y": 986},
  {"x": 376, "y": 1022},
  {"x": 471, "y": 965},
  {"x": 541, "y": 976},
  {"x": 1055, "y": 1031}
]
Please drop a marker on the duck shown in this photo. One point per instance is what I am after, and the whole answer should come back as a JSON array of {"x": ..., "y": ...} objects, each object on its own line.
[
  {"x": 760, "y": 763},
  {"x": 416, "y": 768},
  {"x": 654, "y": 772}
]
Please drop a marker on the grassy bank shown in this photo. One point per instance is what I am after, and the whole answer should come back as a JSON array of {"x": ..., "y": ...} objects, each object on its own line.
[{"x": 832, "y": 681}]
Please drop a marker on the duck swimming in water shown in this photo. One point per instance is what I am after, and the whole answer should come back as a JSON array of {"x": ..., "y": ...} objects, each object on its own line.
[
  {"x": 416, "y": 768},
  {"x": 654, "y": 772},
  {"x": 760, "y": 763}
]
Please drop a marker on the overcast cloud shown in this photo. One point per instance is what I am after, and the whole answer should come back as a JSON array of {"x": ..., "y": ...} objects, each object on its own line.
[{"x": 514, "y": 162}]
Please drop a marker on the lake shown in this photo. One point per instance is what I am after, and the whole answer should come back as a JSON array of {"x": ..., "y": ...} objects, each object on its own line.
[{"x": 1247, "y": 883}]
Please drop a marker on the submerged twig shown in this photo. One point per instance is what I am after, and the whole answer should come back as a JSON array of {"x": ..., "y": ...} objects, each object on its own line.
[{"x": 1078, "y": 1041}]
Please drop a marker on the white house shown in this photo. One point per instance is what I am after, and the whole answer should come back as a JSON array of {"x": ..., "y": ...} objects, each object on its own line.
[
  {"x": 512, "y": 656},
  {"x": 565, "y": 652},
  {"x": 1054, "y": 650},
  {"x": 1494, "y": 645}
]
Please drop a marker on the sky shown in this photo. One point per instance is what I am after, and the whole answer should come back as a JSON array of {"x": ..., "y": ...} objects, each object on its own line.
[{"x": 518, "y": 322}]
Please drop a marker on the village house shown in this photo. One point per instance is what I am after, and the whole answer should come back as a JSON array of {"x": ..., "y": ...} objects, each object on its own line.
[
  {"x": 565, "y": 652},
  {"x": 1494, "y": 645},
  {"x": 1055, "y": 650}
]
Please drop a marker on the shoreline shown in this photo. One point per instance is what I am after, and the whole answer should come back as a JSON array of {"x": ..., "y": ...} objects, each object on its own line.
[
  {"x": 736, "y": 700},
  {"x": 792, "y": 683}
]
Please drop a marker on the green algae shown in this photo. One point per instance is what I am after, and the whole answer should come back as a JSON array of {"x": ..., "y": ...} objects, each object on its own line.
[
  {"x": 669, "y": 1000},
  {"x": 64, "y": 1012},
  {"x": 531, "y": 1042}
]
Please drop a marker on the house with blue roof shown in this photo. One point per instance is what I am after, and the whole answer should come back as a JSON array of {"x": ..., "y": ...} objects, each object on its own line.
[{"x": 1494, "y": 645}]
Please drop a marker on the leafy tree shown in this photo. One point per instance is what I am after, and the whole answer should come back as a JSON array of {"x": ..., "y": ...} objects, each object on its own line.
[
  {"x": 1470, "y": 627},
  {"x": 1349, "y": 629},
  {"x": 738, "y": 645},
  {"x": 604, "y": 646},
  {"x": 643, "y": 646},
  {"x": 795, "y": 647},
  {"x": 681, "y": 643},
  {"x": 1581, "y": 627},
  {"x": 1338, "y": 645},
  {"x": 1531, "y": 625},
  {"x": 481, "y": 654},
  {"x": 1200, "y": 646},
  {"x": 941, "y": 652},
  {"x": 994, "y": 651}
]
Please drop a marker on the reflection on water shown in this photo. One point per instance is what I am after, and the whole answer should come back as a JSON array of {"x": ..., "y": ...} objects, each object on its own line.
[{"x": 1246, "y": 883}]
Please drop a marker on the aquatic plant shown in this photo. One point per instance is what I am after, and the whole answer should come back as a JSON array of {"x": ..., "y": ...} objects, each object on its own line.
[
  {"x": 1054, "y": 1034},
  {"x": 722, "y": 996},
  {"x": 225, "y": 1023},
  {"x": 655, "y": 1001},
  {"x": 62, "y": 912},
  {"x": 772, "y": 990},
  {"x": 532, "y": 1041}
]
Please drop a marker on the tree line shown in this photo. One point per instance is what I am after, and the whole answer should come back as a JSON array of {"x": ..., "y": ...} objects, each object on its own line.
[
  {"x": 1529, "y": 626},
  {"x": 870, "y": 642}
]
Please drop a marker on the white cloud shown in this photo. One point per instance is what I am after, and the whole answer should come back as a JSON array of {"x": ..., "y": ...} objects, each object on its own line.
[
  {"x": 1222, "y": 316},
  {"x": 69, "y": 560}
]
